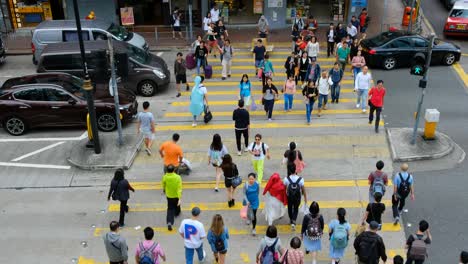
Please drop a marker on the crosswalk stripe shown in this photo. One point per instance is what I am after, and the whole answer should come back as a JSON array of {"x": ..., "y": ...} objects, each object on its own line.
[
  {"x": 162, "y": 207},
  {"x": 261, "y": 229},
  {"x": 239, "y": 75},
  {"x": 209, "y": 83},
  {"x": 236, "y": 92},
  {"x": 211, "y": 184},
  {"x": 269, "y": 125},
  {"x": 258, "y": 102},
  {"x": 259, "y": 113},
  {"x": 251, "y": 60},
  {"x": 236, "y": 52},
  {"x": 275, "y": 66}
]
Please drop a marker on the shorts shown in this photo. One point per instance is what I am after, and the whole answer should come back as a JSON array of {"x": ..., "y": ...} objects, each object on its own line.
[
  {"x": 181, "y": 78},
  {"x": 212, "y": 43},
  {"x": 247, "y": 100},
  {"x": 148, "y": 135},
  {"x": 228, "y": 182},
  {"x": 258, "y": 63},
  {"x": 176, "y": 29}
]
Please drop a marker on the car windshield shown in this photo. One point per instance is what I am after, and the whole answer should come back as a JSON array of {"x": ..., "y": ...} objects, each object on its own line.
[
  {"x": 118, "y": 31},
  {"x": 382, "y": 39},
  {"x": 138, "y": 54},
  {"x": 75, "y": 87},
  {"x": 459, "y": 13}
]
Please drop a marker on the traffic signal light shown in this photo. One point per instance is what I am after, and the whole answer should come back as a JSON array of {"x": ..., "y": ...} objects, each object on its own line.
[{"x": 418, "y": 65}]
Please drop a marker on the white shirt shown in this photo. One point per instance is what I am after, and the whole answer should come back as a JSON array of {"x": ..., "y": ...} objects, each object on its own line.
[
  {"x": 323, "y": 86},
  {"x": 203, "y": 89},
  {"x": 206, "y": 23},
  {"x": 176, "y": 21},
  {"x": 363, "y": 81},
  {"x": 331, "y": 36},
  {"x": 214, "y": 15},
  {"x": 293, "y": 178},
  {"x": 193, "y": 232},
  {"x": 258, "y": 151},
  {"x": 352, "y": 31},
  {"x": 313, "y": 49}
]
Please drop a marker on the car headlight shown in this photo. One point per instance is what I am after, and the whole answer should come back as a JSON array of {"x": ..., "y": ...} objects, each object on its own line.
[
  {"x": 160, "y": 74},
  {"x": 123, "y": 108}
]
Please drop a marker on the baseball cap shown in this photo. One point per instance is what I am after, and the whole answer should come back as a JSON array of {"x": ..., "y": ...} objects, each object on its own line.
[
  {"x": 374, "y": 225},
  {"x": 196, "y": 211}
]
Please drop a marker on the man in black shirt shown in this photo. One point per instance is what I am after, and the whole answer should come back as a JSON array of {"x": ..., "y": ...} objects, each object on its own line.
[
  {"x": 259, "y": 50},
  {"x": 242, "y": 125},
  {"x": 201, "y": 52},
  {"x": 369, "y": 246}
]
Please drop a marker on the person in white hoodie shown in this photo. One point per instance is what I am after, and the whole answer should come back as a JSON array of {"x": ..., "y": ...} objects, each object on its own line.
[
  {"x": 313, "y": 48},
  {"x": 361, "y": 87},
  {"x": 323, "y": 87},
  {"x": 269, "y": 240},
  {"x": 116, "y": 245}
]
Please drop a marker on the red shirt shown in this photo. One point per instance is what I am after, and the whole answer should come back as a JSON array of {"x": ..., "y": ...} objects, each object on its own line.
[
  {"x": 378, "y": 174},
  {"x": 377, "y": 96},
  {"x": 362, "y": 19}
]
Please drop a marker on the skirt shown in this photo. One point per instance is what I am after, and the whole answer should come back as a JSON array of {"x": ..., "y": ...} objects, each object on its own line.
[
  {"x": 274, "y": 209},
  {"x": 312, "y": 245}
]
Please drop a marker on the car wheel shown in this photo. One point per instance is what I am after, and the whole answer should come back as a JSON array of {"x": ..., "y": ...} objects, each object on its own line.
[
  {"x": 106, "y": 122},
  {"x": 15, "y": 126},
  {"x": 389, "y": 63},
  {"x": 147, "y": 88},
  {"x": 449, "y": 59}
]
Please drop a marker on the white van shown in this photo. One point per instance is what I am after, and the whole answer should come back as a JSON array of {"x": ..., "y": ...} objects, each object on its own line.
[{"x": 53, "y": 31}]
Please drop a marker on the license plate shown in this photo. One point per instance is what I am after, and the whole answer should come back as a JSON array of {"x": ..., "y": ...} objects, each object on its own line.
[{"x": 461, "y": 27}]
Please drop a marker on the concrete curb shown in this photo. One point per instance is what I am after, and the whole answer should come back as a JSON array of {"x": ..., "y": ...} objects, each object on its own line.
[
  {"x": 77, "y": 155},
  {"x": 399, "y": 156}
]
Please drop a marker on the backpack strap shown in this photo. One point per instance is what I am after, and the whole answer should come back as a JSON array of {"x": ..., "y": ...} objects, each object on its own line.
[
  {"x": 263, "y": 148},
  {"x": 153, "y": 247},
  {"x": 289, "y": 180},
  {"x": 298, "y": 180}
]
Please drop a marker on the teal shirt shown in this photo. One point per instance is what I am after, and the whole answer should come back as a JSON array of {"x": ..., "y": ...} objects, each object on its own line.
[
  {"x": 268, "y": 66},
  {"x": 343, "y": 53}
]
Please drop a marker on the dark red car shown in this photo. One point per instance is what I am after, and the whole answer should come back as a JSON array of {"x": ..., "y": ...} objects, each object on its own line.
[{"x": 23, "y": 107}]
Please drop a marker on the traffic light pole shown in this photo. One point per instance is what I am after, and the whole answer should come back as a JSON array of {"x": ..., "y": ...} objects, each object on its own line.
[
  {"x": 422, "y": 85},
  {"x": 87, "y": 87}
]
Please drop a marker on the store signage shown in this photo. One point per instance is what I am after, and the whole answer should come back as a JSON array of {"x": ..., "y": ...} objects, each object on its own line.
[
  {"x": 360, "y": 3},
  {"x": 258, "y": 7},
  {"x": 126, "y": 14},
  {"x": 275, "y": 3}
]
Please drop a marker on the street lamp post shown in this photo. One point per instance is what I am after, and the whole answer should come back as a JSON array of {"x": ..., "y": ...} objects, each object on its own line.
[{"x": 87, "y": 87}]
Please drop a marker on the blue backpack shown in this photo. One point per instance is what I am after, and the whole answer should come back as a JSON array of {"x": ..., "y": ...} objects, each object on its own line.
[
  {"x": 146, "y": 255},
  {"x": 340, "y": 237},
  {"x": 269, "y": 254}
]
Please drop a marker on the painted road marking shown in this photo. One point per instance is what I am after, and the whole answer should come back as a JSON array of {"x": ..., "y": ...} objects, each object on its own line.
[
  {"x": 261, "y": 229},
  {"x": 236, "y": 92},
  {"x": 280, "y": 74},
  {"x": 465, "y": 54},
  {"x": 39, "y": 151},
  {"x": 6, "y": 140},
  {"x": 209, "y": 83},
  {"x": 273, "y": 53},
  {"x": 261, "y": 113},
  {"x": 463, "y": 76},
  {"x": 251, "y": 60},
  {"x": 31, "y": 165},
  {"x": 211, "y": 184},
  {"x": 252, "y": 68},
  {"x": 259, "y": 126},
  {"x": 258, "y": 102},
  {"x": 162, "y": 207}
]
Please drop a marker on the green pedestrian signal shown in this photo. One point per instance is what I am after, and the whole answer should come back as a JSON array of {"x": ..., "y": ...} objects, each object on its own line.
[
  {"x": 418, "y": 64},
  {"x": 417, "y": 70}
]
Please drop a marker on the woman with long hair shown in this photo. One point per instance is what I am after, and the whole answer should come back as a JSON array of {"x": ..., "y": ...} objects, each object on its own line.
[
  {"x": 338, "y": 227},
  {"x": 292, "y": 155},
  {"x": 230, "y": 171},
  {"x": 216, "y": 153},
  {"x": 245, "y": 88},
  {"x": 218, "y": 237},
  {"x": 119, "y": 191}
]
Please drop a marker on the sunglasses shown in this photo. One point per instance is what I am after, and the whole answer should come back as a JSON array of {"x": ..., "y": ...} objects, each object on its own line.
[{"x": 257, "y": 139}]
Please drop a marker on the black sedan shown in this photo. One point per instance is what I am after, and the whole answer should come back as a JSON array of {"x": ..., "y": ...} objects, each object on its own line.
[{"x": 394, "y": 49}]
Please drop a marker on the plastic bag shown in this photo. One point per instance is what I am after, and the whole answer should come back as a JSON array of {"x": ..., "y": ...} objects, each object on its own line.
[
  {"x": 304, "y": 209},
  {"x": 243, "y": 212},
  {"x": 253, "y": 105}
]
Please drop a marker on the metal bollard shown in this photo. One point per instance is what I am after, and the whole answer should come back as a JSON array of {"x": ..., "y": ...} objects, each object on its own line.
[{"x": 432, "y": 119}]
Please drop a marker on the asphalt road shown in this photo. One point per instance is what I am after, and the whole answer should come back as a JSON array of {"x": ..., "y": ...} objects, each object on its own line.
[{"x": 440, "y": 193}]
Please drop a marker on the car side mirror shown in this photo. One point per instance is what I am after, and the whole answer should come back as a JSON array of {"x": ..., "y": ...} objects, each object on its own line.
[{"x": 72, "y": 101}]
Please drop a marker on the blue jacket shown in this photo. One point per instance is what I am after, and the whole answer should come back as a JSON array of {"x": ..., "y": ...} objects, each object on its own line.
[
  {"x": 212, "y": 239},
  {"x": 336, "y": 76},
  {"x": 315, "y": 75}
]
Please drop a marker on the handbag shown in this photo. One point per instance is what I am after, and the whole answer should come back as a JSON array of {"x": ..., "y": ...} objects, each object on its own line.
[
  {"x": 243, "y": 212},
  {"x": 253, "y": 105},
  {"x": 236, "y": 179},
  {"x": 208, "y": 115}
]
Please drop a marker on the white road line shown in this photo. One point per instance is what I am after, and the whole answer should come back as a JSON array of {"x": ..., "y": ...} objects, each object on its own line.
[
  {"x": 38, "y": 151},
  {"x": 31, "y": 165},
  {"x": 159, "y": 54},
  {"x": 6, "y": 140}
]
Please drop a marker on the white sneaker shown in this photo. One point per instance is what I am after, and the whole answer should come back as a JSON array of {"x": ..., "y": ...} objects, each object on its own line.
[
  {"x": 358, "y": 105},
  {"x": 239, "y": 153},
  {"x": 254, "y": 232},
  {"x": 194, "y": 124},
  {"x": 293, "y": 227},
  {"x": 364, "y": 110},
  {"x": 246, "y": 150},
  {"x": 148, "y": 151},
  {"x": 247, "y": 222},
  {"x": 269, "y": 119}
]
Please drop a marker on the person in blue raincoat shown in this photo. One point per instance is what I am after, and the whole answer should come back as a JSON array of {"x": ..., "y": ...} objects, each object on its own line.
[{"x": 198, "y": 99}]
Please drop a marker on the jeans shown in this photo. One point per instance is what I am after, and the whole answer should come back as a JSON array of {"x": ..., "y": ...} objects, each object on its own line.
[
  {"x": 189, "y": 252},
  {"x": 355, "y": 72},
  {"x": 322, "y": 98},
  {"x": 288, "y": 101},
  {"x": 258, "y": 168},
  {"x": 411, "y": 261},
  {"x": 309, "y": 108},
  {"x": 335, "y": 91},
  {"x": 239, "y": 133},
  {"x": 269, "y": 104},
  {"x": 293, "y": 209},
  {"x": 226, "y": 68},
  {"x": 173, "y": 210},
  {"x": 377, "y": 115},
  {"x": 362, "y": 98},
  {"x": 200, "y": 63},
  {"x": 123, "y": 210},
  {"x": 330, "y": 48},
  {"x": 397, "y": 205},
  {"x": 258, "y": 63}
]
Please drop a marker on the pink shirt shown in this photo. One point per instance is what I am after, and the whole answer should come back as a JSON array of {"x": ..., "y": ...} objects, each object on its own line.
[
  {"x": 290, "y": 87},
  {"x": 157, "y": 252}
]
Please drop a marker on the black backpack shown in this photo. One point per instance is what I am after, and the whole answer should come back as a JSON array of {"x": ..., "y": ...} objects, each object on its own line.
[
  {"x": 294, "y": 189},
  {"x": 219, "y": 244},
  {"x": 404, "y": 188},
  {"x": 367, "y": 250}
]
